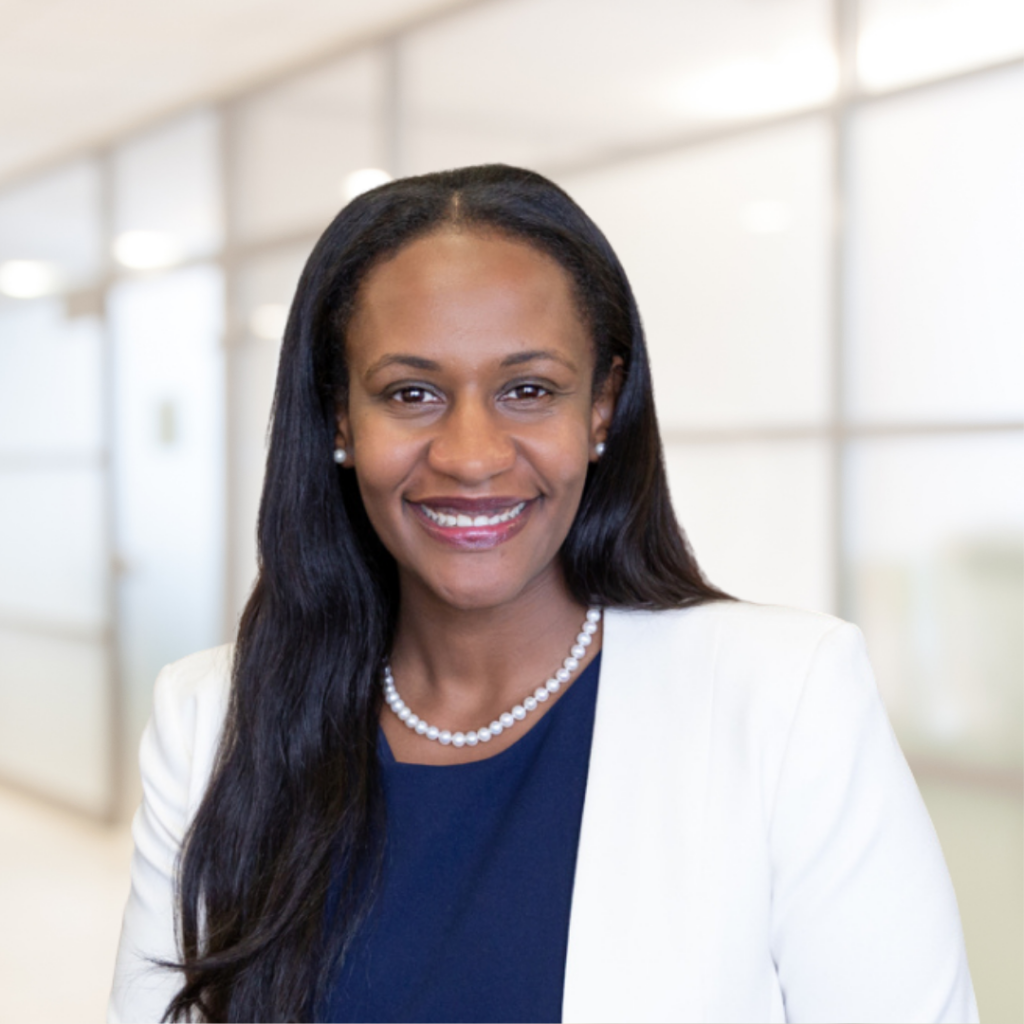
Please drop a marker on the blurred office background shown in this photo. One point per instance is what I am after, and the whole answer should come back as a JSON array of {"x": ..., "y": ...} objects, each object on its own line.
[{"x": 819, "y": 203}]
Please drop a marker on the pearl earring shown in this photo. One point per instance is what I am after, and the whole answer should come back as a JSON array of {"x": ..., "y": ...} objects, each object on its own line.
[
  {"x": 599, "y": 448},
  {"x": 340, "y": 455}
]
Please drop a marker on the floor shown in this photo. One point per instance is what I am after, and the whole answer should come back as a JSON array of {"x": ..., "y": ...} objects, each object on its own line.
[
  {"x": 63, "y": 884},
  {"x": 64, "y": 879}
]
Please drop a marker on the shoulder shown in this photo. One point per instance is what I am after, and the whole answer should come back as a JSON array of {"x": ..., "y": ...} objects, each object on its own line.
[
  {"x": 744, "y": 667},
  {"x": 731, "y": 639},
  {"x": 204, "y": 676},
  {"x": 190, "y": 701},
  {"x": 176, "y": 758},
  {"x": 751, "y": 626}
]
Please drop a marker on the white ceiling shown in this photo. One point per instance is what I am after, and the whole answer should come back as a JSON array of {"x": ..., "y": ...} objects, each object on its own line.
[{"x": 74, "y": 73}]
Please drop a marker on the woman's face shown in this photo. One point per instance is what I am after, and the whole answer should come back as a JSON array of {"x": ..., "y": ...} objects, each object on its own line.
[{"x": 470, "y": 419}]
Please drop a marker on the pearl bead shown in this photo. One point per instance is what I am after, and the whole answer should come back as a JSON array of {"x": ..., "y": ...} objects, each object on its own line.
[{"x": 505, "y": 721}]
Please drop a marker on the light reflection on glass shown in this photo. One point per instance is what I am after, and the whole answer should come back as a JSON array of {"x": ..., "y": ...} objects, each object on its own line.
[
  {"x": 358, "y": 182},
  {"x": 146, "y": 250},
  {"x": 29, "y": 279},
  {"x": 903, "y": 41},
  {"x": 794, "y": 77}
]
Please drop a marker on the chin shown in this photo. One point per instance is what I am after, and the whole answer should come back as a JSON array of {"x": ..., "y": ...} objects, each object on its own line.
[
  {"x": 477, "y": 595},
  {"x": 488, "y": 584}
]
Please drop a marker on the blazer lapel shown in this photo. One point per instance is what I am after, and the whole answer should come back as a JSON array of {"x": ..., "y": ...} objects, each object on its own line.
[{"x": 635, "y": 950}]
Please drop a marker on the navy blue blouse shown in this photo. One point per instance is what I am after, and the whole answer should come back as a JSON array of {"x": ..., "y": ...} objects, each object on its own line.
[{"x": 472, "y": 921}]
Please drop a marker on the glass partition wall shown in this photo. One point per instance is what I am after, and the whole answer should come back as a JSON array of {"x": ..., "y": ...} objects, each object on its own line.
[
  {"x": 818, "y": 204},
  {"x": 59, "y": 698}
]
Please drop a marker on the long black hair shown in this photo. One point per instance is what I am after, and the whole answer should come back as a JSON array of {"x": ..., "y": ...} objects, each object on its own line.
[{"x": 295, "y": 802}]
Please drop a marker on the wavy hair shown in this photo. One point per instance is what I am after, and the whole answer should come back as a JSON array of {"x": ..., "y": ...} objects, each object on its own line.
[{"x": 293, "y": 818}]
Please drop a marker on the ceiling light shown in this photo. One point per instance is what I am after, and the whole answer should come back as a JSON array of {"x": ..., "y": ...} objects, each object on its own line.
[
  {"x": 146, "y": 250},
  {"x": 358, "y": 182},
  {"x": 765, "y": 217},
  {"x": 798, "y": 76},
  {"x": 268, "y": 321},
  {"x": 29, "y": 279}
]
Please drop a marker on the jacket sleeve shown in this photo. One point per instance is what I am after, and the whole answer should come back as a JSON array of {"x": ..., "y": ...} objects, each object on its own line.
[
  {"x": 864, "y": 919},
  {"x": 141, "y": 990}
]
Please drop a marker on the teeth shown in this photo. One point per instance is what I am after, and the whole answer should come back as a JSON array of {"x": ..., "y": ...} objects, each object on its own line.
[{"x": 444, "y": 519}]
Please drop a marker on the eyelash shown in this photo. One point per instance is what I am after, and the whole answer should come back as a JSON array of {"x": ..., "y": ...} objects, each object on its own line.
[
  {"x": 398, "y": 392},
  {"x": 544, "y": 389}
]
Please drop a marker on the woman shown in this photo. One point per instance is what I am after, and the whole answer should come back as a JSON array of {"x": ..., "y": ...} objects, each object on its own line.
[{"x": 489, "y": 747}]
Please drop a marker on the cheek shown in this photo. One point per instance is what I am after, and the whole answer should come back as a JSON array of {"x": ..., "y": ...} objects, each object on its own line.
[
  {"x": 382, "y": 463},
  {"x": 564, "y": 460}
]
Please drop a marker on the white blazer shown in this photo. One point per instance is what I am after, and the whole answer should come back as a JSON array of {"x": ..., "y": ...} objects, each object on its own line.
[{"x": 753, "y": 845}]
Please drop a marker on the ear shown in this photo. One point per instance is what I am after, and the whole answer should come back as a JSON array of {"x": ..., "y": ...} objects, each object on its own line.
[{"x": 603, "y": 409}]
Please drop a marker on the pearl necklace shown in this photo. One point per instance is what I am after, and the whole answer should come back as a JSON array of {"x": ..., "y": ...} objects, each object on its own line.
[{"x": 509, "y": 718}]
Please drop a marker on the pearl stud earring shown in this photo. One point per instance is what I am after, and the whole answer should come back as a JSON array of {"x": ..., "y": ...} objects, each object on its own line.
[
  {"x": 340, "y": 455},
  {"x": 599, "y": 448}
]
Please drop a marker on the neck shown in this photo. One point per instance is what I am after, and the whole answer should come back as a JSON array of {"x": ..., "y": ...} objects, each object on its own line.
[{"x": 483, "y": 655}]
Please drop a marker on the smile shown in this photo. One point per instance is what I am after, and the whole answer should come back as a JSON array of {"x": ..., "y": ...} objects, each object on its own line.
[
  {"x": 461, "y": 520},
  {"x": 473, "y": 524}
]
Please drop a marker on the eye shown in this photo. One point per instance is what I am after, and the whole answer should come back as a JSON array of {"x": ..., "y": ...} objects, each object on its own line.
[
  {"x": 526, "y": 392},
  {"x": 414, "y": 394}
]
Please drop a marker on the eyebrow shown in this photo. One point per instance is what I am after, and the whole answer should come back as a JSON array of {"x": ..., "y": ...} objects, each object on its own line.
[
  {"x": 415, "y": 362},
  {"x": 419, "y": 363},
  {"x": 537, "y": 354}
]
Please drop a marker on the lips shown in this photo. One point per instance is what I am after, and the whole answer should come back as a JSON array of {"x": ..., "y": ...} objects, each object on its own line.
[{"x": 472, "y": 522}]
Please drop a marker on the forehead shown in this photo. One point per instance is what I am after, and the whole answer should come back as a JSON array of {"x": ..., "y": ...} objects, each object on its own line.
[{"x": 468, "y": 291}]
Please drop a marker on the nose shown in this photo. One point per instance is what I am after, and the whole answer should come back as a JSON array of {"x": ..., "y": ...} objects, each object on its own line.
[{"x": 472, "y": 445}]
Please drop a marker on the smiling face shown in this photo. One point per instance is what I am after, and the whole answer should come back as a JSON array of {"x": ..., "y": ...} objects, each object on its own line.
[{"x": 470, "y": 420}]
